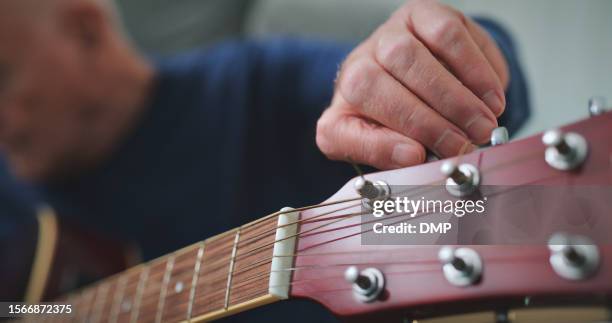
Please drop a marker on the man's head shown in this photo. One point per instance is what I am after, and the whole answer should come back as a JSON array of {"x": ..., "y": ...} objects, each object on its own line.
[{"x": 69, "y": 84}]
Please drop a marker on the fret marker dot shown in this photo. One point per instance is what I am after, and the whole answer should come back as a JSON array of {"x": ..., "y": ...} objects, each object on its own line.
[
  {"x": 178, "y": 287},
  {"x": 126, "y": 305}
]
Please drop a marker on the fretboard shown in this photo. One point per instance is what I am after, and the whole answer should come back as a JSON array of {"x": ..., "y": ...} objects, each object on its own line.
[{"x": 234, "y": 271}]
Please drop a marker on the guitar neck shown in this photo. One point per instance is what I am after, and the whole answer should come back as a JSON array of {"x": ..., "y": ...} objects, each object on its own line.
[{"x": 228, "y": 273}]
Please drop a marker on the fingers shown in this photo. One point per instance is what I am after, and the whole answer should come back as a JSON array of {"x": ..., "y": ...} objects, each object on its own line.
[
  {"x": 444, "y": 32},
  {"x": 348, "y": 137},
  {"x": 370, "y": 91},
  {"x": 408, "y": 60}
]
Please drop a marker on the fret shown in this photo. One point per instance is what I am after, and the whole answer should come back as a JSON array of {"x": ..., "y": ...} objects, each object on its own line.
[
  {"x": 138, "y": 297},
  {"x": 118, "y": 298},
  {"x": 151, "y": 291},
  {"x": 106, "y": 308},
  {"x": 126, "y": 304},
  {"x": 210, "y": 291},
  {"x": 228, "y": 287},
  {"x": 74, "y": 299},
  {"x": 253, "y": 260},
  {"x": 102, "y": 292},
  {"x": 164, "y": 290},
  {"x": 194, "y": 280},
  {"x": 85, "y": 303},
  {"x": 179, "y": 286}
]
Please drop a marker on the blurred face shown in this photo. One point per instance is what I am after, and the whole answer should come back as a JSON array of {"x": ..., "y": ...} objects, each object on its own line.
[{"x": 48, "y": 92}]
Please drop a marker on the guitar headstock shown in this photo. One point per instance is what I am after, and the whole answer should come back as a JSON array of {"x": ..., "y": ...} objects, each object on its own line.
[{"x": 414, "y": 280}]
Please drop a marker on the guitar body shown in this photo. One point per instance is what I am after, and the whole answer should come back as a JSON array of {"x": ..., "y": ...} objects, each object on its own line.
[{"x": 54, "y": 257}]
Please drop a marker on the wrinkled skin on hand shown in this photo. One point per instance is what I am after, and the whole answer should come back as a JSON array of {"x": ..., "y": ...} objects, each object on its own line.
[{"x": 429, "y": 77}]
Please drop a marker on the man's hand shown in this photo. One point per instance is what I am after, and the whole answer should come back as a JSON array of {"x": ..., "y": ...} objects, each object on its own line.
[{"x": 428, "y": 77}]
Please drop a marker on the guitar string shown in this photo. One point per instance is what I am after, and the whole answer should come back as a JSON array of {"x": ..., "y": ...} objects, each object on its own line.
[
  {"x": 221, "y": 262},
  {"x": 489, "y": 170},
  {"x": 436, "y": 182},
  {"x": 459, "y": 157}
]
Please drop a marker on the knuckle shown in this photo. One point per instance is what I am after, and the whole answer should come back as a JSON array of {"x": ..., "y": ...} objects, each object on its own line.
[
  {"x": 448, "y": 101},
  {"x": 504, "y": 75},
  {"x": 372, "y": 153},
  {"x": 408, "y": 122},
  {"x": 446, "y": 31},
  {"x": 481, "y": 76},
  {"x": 356, "y": 79},
  {"x": 401, "y": 50},
  {"x": 457, "y": 14}
]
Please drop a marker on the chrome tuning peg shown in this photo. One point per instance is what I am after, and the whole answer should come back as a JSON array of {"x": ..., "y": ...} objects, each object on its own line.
[
  {"x": 461, "y": 180},
  {"x": 371, "y": 191},
  {"x": 462, "y": 266},
  {"x": 499, "y": 136},
  {"x": 573, "y": 257},
  {"x": 367, "y": 284},
  {"x": 565, "y": 151},
  {"x": 597, "y": 105}
]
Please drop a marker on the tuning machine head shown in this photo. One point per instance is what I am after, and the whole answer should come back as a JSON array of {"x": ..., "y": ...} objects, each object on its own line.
[
  {"x": 462, "y": 267},
  {"x": 462, "y": 180},
  {"x": 499, "y": 136},
  {"x": 367, "y": 284},
  {"x": 565, "y": 151},
  {"x": 573, "y": 257},
  {"x": 371, "y": 191},
  {"x": 597, "y": 105}
]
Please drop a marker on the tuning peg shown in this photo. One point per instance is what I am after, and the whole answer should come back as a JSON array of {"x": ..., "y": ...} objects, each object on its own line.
[
  {"x": 461, "y": 180},
  {"x": 565, "y": 151},
  {"x": 499, "y": 136},
  {"x": 597, "y": 105},
  {"x": 371, "y": 191},
  {"x": 573, "y": 257},
  {"x": 367, "y": 284},
  {"x": 462, "y": 266}
]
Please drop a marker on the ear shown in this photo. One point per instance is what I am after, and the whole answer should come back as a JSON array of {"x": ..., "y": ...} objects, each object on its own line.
[{"x": 85, "y": 23}]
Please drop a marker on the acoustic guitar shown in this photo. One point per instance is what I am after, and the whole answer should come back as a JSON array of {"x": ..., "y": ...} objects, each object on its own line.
[{"x": 318, "y": 252}]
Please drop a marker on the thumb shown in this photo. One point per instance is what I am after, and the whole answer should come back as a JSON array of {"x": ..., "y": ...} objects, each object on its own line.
[{"x": 348, "y": 137}]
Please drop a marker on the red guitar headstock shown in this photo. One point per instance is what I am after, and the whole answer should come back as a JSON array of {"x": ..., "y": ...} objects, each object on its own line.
[{"x": 509, "y": 275}]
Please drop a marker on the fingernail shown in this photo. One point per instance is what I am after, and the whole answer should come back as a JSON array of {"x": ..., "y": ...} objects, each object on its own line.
[
  {"x": 493, "y": 101},
  {"x": 480, "y": 128},
  {"x": 405, "y": 155},
  {"x": 449, "y": 143}
]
